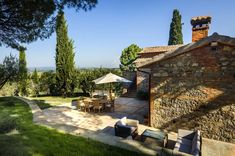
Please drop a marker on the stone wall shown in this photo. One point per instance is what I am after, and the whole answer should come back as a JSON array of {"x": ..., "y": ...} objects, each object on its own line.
[
  {"x": 196, "y": 90},
  {"x": 129, "y": 75},
  {"x": 142, "y": 81}
]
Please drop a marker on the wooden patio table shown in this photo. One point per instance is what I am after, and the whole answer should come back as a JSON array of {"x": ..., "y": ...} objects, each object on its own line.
[
  {"x": 101, "y": 101},
  {"x": 90, "y": 99}
]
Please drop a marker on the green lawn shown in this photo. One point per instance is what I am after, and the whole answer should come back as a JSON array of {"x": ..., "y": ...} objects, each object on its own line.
[
  {"x": 31, "y": 139},
  {"x": 49, "y": 101}
]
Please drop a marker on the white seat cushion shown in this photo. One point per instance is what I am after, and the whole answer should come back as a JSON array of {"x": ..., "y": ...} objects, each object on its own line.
[{"x": 123, "y": 121}]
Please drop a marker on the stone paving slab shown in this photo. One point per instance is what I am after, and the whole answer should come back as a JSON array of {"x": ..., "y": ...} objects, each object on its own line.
[{"x": 217, "y": 148}]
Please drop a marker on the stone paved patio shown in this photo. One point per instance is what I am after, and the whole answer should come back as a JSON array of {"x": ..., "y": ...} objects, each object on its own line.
[
  {"x": 99, "y": 126},
  {"x": 97, "y": 122}
]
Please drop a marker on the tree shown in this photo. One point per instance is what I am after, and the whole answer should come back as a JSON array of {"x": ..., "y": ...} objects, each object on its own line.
[
  {"x": 34, "y": 76},
  {"x": 35, "y": 85},
  {"x": 175, "y": 35},
  {"x": 24, "y": 21},
  {"x": 86, "y": 83},
  {"x": 23, "y": 73},
  {"x": 47, "y": 83},
  {"x": 129, "y": 55},
  {"x": 64, "y": 56},
  {"x": 8, "y": 70}
]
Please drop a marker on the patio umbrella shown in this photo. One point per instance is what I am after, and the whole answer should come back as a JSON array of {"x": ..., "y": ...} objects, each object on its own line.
[{"x": 110, "y": 78}]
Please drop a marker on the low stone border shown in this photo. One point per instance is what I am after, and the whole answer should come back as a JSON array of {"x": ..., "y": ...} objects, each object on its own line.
[{"x": 36, "y": 111}]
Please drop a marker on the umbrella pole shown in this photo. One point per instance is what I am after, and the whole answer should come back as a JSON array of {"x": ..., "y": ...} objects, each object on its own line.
[{"x": 110, "y": 91}]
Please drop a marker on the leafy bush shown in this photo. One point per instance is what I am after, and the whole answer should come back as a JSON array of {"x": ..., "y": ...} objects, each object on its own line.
[
  {"x": 86, "y": 76},
  {"x": 81, "y": 82},
  {"x": 79, "y": 94},
  {"x": 85, "y": 81},
  {"x": 8, "y": 89},
  {"x": 47, "y": 83},
  {"x": 7, "y": 123},
  {"x": 142, "y": 95},
  {"x": 8, "y": 70}
]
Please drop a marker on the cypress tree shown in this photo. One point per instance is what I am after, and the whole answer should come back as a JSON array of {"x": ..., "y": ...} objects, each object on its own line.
[
  {"x": 175, "y": 35},
  {"x": 64, "y": 56},
  {"x": 34, "y": 77},
  {"x": 23, "y": 73},
  {"x": 35, "y": 86}
]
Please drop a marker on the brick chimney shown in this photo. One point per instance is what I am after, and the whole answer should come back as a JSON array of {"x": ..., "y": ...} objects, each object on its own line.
[{"x": 200, "y": 28}]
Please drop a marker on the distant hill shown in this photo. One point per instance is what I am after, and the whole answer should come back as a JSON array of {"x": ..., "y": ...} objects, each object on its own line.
[
  {"x": 44, "y": 69},
  {"x": 41, "y": 69}
]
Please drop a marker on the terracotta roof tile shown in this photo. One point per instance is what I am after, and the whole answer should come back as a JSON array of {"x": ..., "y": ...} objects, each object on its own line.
[
  {"x": 141, "y": 60},
  {"x": 160, "y": 49},
  {"x": 213, "y": 38}
]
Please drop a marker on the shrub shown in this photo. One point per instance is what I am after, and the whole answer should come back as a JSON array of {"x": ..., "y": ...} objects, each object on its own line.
[
  {"x": 142, "y": 95},
  {"x": 8, "y": 89},
  {"x": 7, "y": 123},
  {"x": 81, "y": 94}
]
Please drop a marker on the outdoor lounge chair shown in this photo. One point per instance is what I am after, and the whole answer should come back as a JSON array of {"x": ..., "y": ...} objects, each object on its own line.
[
  {"x": 126, "y": 127},
  {"x": 188, "y": 142}
]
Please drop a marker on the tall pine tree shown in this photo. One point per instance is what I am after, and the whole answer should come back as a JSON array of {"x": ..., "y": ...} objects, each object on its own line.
[
  {"x": 23, "y": 73},
  {"x": 176, "y": 36},
  {"x": 64, "y": 56}
]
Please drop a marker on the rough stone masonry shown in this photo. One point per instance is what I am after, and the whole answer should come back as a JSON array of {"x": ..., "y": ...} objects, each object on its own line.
[{"x": 196, "y": 90}]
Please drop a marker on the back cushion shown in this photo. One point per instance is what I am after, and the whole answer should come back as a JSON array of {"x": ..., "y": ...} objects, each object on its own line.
[
  {"x": 123, "y": 121},
  {"x": 196, "y": 144},
  {"x": 119, "y": 123}
]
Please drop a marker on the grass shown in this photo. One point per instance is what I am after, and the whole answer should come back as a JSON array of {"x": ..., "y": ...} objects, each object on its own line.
[
  {"x": 49, "y": 101},
  {"x": 31, "y": 139}
]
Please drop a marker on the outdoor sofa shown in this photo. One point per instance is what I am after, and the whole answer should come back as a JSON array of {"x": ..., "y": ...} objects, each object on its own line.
[
  {"x": 188, "y": 142},
  {"x": 126, "y": 127}
]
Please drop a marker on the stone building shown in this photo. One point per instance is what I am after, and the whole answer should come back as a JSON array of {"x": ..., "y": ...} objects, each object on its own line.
[
  {"x": 142, "y": 78},
  {"x": 193, "y": 85}
]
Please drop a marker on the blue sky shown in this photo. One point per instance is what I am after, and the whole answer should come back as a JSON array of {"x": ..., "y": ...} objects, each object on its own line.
[{"x": 102, "y": 33}]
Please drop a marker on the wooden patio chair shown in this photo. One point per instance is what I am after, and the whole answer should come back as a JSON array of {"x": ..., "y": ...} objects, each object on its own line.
[
  {"x": 81, "y": 104},
  {"x": 110, "y": 106},
  {"x": 97, "y": 105},
  {"x": 88, "y": 105}
]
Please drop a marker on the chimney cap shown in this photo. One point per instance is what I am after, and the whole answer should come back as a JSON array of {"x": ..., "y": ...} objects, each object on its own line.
[{"x": 200, "y": 20}]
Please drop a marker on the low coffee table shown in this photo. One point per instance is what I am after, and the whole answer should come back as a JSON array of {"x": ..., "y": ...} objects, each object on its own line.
[{"x": 157, "y": 138}]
